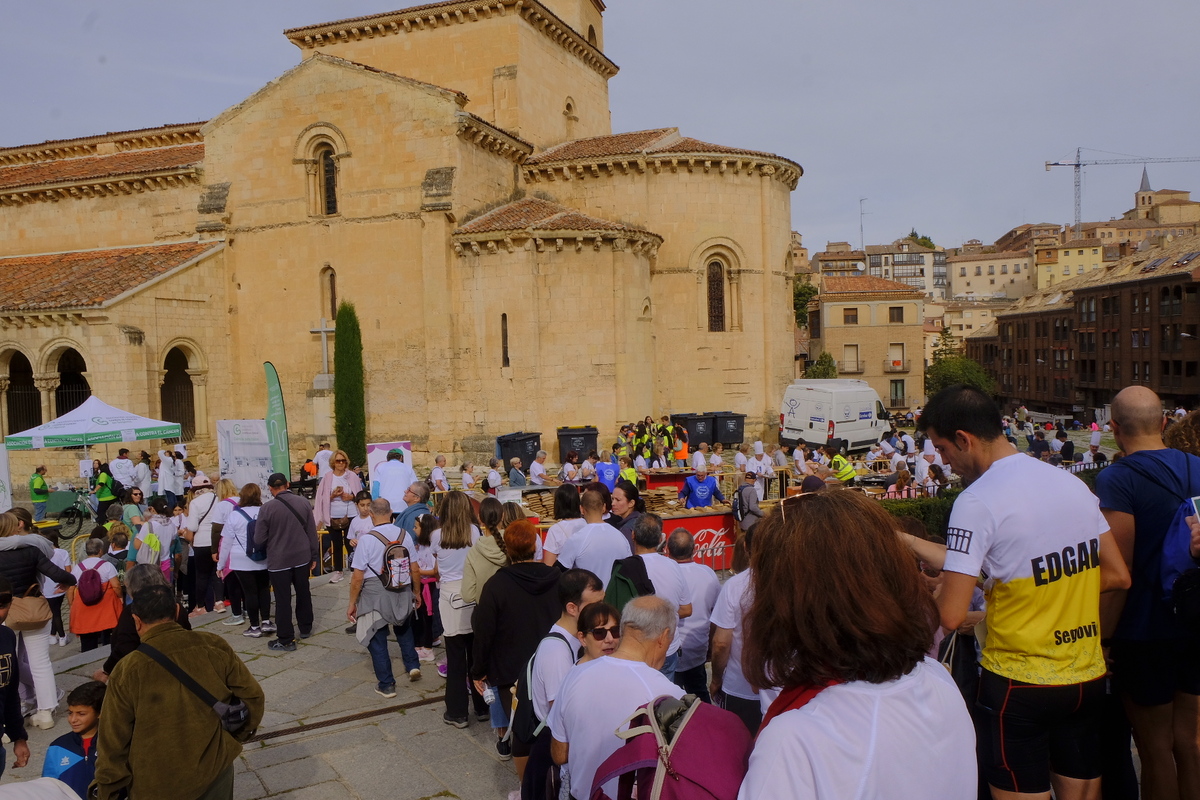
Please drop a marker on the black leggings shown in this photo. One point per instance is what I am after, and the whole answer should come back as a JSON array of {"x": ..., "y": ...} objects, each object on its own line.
[
  {"x": 256, "y": 585},
  {"x": 56, "y": 623},
  {"x": 90, "y": 641},
  {"x": 337, "y": 538},
  {"x": 206, "y": 570}
]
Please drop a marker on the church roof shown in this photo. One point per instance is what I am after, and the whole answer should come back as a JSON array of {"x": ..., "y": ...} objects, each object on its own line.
[
  {"x": 134, "y": 162},
  {"x": 650, "y": 142},
  {"x": 89, "y": 278},
  {"x": 534, "y": 214},
  {"x": 1145, "y": 187}
]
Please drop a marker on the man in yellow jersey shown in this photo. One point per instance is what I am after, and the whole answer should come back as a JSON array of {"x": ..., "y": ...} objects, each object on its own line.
[{"x": 1036, "y": 535}]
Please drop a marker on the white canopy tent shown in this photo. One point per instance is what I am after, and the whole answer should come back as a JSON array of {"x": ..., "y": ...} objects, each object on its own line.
[{"x": 93, "y": 422}]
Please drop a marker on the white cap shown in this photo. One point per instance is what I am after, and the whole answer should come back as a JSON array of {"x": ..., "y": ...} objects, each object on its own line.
[
  {"x": 887, "y": 447},
  {"x": 758, "y": 448},
  {"x": 1096, "y": 438},
  {"x": 928, "y": 449}
]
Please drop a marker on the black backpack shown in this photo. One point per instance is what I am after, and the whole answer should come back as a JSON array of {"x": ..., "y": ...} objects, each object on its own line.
[
  {"x": 253, "y": 551},
  {"x": 739, "y": 502},
  {"x": 525, "y": 724}
]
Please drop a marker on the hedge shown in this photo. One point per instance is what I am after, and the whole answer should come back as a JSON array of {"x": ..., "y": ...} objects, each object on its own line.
[{"x": 934, "y": 512}]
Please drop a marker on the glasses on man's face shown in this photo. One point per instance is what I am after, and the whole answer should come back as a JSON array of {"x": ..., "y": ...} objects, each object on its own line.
[{"x": 600, "y": 634}]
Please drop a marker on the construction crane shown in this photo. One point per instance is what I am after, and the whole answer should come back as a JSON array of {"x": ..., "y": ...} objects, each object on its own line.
[{"x": 1079, "y": 164}]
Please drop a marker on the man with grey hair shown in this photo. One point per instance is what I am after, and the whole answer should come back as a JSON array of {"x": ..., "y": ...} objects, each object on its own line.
[
  {"x": 373, "y": 608},
  {"x": 417, "y": 498},
  {"x": 595, "y": 698},
  {"x": 537, "y": 470},
  {"x": 703, "y": 588}
]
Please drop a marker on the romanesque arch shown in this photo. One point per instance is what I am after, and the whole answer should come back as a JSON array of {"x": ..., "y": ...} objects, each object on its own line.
[
  {"x": 718, "y": 263},
  {"x": 20, "y": 400},
  {"x": 73, "y": 386},
  {"x": 320, "y": 147},
  {"x": 183, "y": 392}
]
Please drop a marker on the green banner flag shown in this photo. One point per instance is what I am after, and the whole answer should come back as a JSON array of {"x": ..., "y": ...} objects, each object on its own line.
[{"x": 277, "y": 432}]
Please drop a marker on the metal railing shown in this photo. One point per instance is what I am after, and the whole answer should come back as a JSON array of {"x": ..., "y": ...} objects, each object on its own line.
[
  {"x": 892, "y": 365},
  {"x": 851, "y": 366}
]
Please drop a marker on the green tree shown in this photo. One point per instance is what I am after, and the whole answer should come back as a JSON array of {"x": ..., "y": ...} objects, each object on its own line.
[
  {"x": 802, "y": 292},
  {"x": 921, "y": 239},
  {"x": 825, "y": 367},
  {"x": 349, "y": 403},
  {"x": 954, "y": 369},
  {"x": 947, "y": 345}
]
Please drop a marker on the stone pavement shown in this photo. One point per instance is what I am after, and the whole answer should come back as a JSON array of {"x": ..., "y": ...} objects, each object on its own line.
[{"x": 407, "y": 755}]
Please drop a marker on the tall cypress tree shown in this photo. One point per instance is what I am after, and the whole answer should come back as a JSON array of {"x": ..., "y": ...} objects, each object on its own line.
[{"x": 349, "y": 402}]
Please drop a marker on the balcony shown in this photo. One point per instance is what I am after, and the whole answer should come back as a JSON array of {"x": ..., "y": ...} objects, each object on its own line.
[
  {"x": 896, "y": 366},
  {"x": 897, "y": 402},
  {"x": 851, "y": 367}
]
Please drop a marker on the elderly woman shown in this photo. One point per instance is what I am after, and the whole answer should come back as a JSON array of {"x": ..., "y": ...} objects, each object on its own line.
[
  {"x": 23, "y": 560},
  {"x": 837, "y": 618},
  {"x": 335, "y": 508}
]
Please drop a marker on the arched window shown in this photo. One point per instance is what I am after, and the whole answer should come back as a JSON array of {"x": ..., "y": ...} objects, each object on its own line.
[
  {"x": 329, "y": 297},
  {"x": 327, "y": 178},
  {"x": 716, "y": 296},
  {"x": 178, "y": 394},
  {"x": 504, "y": 361},
  {"x": 24, "y": 399},
  {"x": 73, "y": 387},
  {"x": 592, "y": 40}
]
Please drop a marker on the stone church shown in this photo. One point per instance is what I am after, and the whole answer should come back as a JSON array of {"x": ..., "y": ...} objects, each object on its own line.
[{"x": 451, "y": 170}]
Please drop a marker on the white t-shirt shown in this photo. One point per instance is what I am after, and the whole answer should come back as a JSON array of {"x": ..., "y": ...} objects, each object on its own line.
[
  {"x": 593, "y": 702},
  {"x": 906, "y": 738},
  {"x": 200, "y": 518},
  {"x": 233, "y": 542},
  {"x": 537, "y": 474},
  {"x": 438, "y": 476},
  {"x": 494, "y": 479},
  {"x": 107, "y": 571},
  {"x": 468, "y": 481},
  {"x": 921, "y": 470},
  {"x": 426, "y": 560},
  {"x": 595, "y": 547},
  {"x": 910, "y": 446},
  {"x": 765, "y": 470},
  {"x": 715, "y": 461},
  {"x": 321, "y": 459},
  {"x": 166, "y": 529},
  {"x": 61, "y": 559},
  {"x": 340, "y": 509},
  {"x": 368, "y": 555},
  {"x": 450, "y": 562},
  {"x": 731, "y": 607},
  {"x": 220, "y": 514},
  {"x": 560, "y": 532},
  {"x": 1042, "y": 560},
  {"x": 123, "y": 470},
  {"x": 670, "y": 585},
  {"x": 359, "y": 526},
  {"x": 698, "y": 461},
  {"x": 740, "y": 461},
  {"x": 703, "y": 588},
  {"x": 393, "y": 479},
  {"x": 551, "y": 663}
]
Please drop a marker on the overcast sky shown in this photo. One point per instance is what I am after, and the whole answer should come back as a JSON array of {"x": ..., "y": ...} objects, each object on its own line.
[{"x": 940, "y": 112}]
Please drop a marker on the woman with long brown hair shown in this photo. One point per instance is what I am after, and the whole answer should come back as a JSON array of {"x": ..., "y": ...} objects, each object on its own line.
[
  {"x": 841, "y": 621},
  {"x": 450, "y": 545}
]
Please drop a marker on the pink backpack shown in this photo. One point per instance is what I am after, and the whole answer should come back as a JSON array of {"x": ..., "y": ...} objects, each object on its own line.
[{"x": 678, "y": 750}]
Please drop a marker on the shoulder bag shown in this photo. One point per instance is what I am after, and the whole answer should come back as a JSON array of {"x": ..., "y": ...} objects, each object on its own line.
[
  {"x": 233, "y": 715},
  {"x": 28, "y": 613}
]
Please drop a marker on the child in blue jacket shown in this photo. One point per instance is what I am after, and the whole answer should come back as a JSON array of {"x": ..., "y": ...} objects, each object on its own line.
[{"x": 72, "y": 757}]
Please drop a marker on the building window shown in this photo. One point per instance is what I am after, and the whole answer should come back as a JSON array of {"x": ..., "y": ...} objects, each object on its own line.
[
  {"x": 327, "y": 174},
  {"x": 329, "y": 298},
  {"x": 716, "y": 296},
  {"x": 1016, "y": 269},
  {"x": 504, "y": 362},
  {"x": 896, "y": 314},
  {"x": 1004, "y": 269},
  {"x": 991, "y": 269},
  {"x": 849, "y": 316},
  {"x": 978, "y": 270},
  {"x": 962, "y": 272},
  {"x": 897, "y": 393}
]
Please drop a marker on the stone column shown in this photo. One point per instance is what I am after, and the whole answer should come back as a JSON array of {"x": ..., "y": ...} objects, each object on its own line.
[
  {"x": 46, "y": 383},
  {"x": 734, "y": 301},
  {"x": 4, "y": 407},
  {"x": 200, "y": 401}
]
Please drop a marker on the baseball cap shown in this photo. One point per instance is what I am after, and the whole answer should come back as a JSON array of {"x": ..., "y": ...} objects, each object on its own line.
[
  {"x": 201, "y": 481},
  {"x": 277, "y": 479}
]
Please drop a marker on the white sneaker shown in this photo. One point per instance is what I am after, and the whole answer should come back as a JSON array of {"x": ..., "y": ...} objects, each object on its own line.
[
  {"x": 425, "y": 654},
  {"x": 220, "y": 608},
  {"x": 62, "y": 641},
  {"x": 43, "y": 719},
  {"x": 237, "y": 620},
  {"x": 337, "y": 578}
]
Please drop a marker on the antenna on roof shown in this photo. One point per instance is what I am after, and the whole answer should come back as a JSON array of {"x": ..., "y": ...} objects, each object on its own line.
[{"x": 861, "y": 213}]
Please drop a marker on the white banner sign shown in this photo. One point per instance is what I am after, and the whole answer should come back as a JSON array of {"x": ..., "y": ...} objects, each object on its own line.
[
  {"x": 5, "y": 482},
  {"x": 244, "y": 452},
  {"x": 377, "y": 453}
]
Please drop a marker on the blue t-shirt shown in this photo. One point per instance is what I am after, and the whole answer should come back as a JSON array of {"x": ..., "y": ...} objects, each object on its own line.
[
  {"x": 700, "y": 492},
  {"x": 1152, "y": 501},
  {"x": 606, "y": 473}
]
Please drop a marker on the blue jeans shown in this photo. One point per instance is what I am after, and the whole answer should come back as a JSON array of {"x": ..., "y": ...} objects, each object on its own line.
[
  {"x": 381, "y": 661},
  {"x": 499, "y": 709},
  {"x": 39, "y": 512},
  {"x": 668, "y": 667}
]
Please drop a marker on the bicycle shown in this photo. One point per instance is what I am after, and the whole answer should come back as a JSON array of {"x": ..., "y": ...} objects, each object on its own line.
[{"x": 72, "y": 518}]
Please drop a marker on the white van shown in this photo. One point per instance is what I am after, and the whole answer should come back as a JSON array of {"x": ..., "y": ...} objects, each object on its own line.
[{"x": 846, "y": 412}]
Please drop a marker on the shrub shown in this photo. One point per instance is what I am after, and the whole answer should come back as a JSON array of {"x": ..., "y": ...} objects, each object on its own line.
[
  {"x": 934, "y": 512},
  {"x": 349, "y": 403}
]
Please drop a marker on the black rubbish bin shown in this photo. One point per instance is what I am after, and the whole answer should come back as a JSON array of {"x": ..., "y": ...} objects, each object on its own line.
[
  {"x": 520, "y": 445},
  {"x": 729, "y": 428},
  {"x": 698, "y": 426},
  {"x": 582, "y": 440}
]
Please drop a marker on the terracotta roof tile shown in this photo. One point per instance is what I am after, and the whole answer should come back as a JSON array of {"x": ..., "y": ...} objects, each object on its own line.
[
  {"x": 88, "y": 278},
  {"x": 689, "y": 145},
  {"x": 93, "y": 167},
  {"x": 865, "y": 283},
  {"x": 1006, "y": 254},
  {"x": 601, "y": 146},
  {"x": 535, "y": 214}
]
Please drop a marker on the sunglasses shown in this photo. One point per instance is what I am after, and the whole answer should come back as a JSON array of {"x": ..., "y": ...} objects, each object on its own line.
[
  {"x": 340, "y": 461},
  {"x": 600, "y": 634}
]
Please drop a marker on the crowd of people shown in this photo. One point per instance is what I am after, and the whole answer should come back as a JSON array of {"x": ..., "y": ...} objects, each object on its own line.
[{"x": 1056, "y": 639}]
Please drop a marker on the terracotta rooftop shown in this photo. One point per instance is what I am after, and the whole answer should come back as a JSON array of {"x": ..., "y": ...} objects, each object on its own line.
[
  {"x": 894, "y": 247},
  {"x": 1009, "y": 254},
  {"x": 88, "y": 278},
  {"x": 1079, "y": 243},
  {"x": 865, "y": 283},
  {"x": 133, "y": 162},
  {"x": 659, "y": 141},
  {"x": 136, "y": 133},
  {"x": 535, "y": 214}
]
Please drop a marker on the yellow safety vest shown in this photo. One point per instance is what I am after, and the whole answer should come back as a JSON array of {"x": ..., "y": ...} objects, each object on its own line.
[{"x": 842, "y": 469}]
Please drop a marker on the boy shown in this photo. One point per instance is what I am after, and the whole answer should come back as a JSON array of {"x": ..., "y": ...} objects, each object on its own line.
[{"x": 72, "y": 757}]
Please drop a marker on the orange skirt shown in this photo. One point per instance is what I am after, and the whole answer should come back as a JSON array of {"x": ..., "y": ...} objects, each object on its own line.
[{"x": 100, "y": 617}]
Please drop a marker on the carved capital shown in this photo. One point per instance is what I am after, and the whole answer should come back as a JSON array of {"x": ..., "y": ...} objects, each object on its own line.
[
  {"x": 3, "y": 385},
  {"x": 47, "y": 382},
  {"x": 162, "y": 377},
  {"x": 199, "y": 376}
]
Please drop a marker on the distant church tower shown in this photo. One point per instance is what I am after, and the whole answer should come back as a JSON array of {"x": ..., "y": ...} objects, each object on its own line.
[{"x": 1144, "y": 198}]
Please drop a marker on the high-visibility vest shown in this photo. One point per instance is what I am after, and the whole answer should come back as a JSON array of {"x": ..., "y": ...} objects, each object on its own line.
[{"x": 842, "y": 469}]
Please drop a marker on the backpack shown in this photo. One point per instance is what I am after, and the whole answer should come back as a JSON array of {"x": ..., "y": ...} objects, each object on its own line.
[
  {"x": 525, "y": 723},
  {"x": 90, "y": 587},
  {"x": 253, "y": 550},
  {"x": 396, "y": 575},
  {"x": 739, "y": 503},
  {"x": 629, "y": 580},
  {"x": 149, "y": 552},
  {"x": 118, "y": 561},
  {"x": 704, "y": 750}
]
